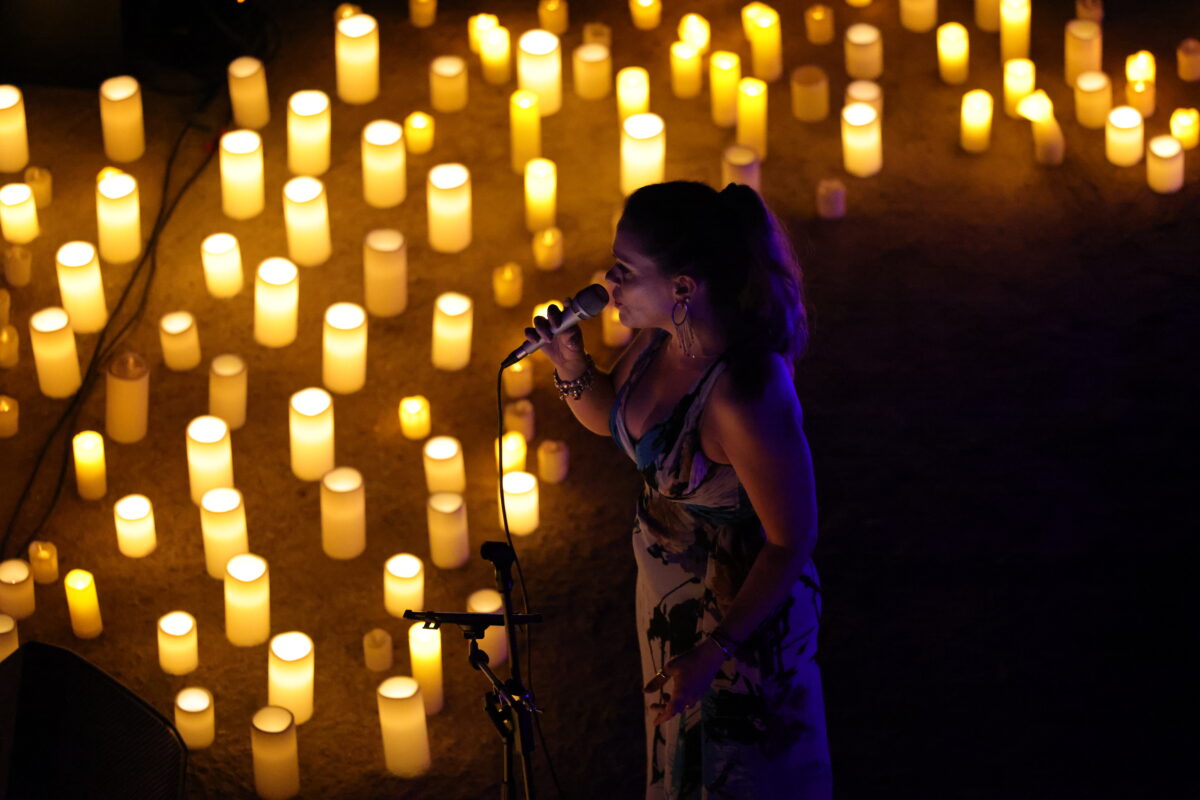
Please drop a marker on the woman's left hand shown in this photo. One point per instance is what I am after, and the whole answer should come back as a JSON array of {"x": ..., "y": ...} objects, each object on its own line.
[{"x": 685, "y": 679}]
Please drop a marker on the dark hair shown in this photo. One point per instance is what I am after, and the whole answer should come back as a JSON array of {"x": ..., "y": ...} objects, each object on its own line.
[{"x": 730, "y": 241}]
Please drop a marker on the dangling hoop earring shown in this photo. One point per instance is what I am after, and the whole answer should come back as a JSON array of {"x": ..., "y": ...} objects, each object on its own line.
[{"x": 683, "y": 327}]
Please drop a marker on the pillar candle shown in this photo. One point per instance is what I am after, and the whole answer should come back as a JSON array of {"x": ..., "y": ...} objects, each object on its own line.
[
  {"x": 740, "y": 164},
  {"x": 223, "y": 526},
  {"x": 118, "y": 217},
  {"x": 308, "y": 130},
  {"x": 1140, "y": 87},
  {"x": 425, "y": 654},
  {"x": 121, "y": 119},
  {"x": 525, "y": 128},
  {"x": 14, "y": 137},
  {"x": 418, "y": 132},
  {"x": 541, "y": 192},
  {"x": 446, "y": 518},
  {"x": 210, "y": 456},
  {"x": 10, "y": 416},
  {"x": 554, "y": 458},
  {"x": 724, "y": 74},
  {"x": 646, "y": 14},
  {"x": 444, "y": 469},
  {"x": 81, "y": 286},
  {"x": 495, "y": 52},
  {"x": 54, "y": 353},
  {"x": 1187, "y": 63},
  {"x": 685, "y": 70},
  {"x": 276, "y": 298},
  {"x": 868, "y": 92},
  {"x": 506, "y": 284},
  {"x": 1093, "y": 99},
  {"x": 448, "y": 205},
  {"x": 133, "y": 517},
  {"x": 1123, "y": 135},
  {"x": 377, "y": 650},
  {"x": 1185, "y": 126},
  {"x": 221, "y": 258},
  {"x": 695, "y": 30},
  {"x": 356, "y": 51},
  {"x": 1082, "y": 48},
  {"x": 918, "y": 16},
  {"x": 195, "y": 718},
  {"x": 18, "y": 265},
  {"x": 954, "y": 50},
  {"x": 1164, "y": 164},
  {"x": 514, "y": 449},
  {"x": 477, "y": 26},
  {"x": 862, "y": 140},
  {"x": 422, "y": 13},
  {"x": 592, "y": 71},
  {"x": 41, "y": 181},
  {"x": 275, "y": 755},
  {"x": 495, "y": 637},
  {"x": 766, "y": 45},
  {"x": 810, "y": 94},
  {"x": 17, "y": 598},
  {"x": 385, "y": 272},
  {"x": 448, "y": 83},
  {"x": 976, "y": 130},
  {"x": 518, "y": 416},
  {"x": 83, "y": 605},
  {"x": 18, "y": 214},
  {"x": 10, "y": 347},
  {"x": 414, "y": 417},
  {"x": 633, "y": 92},
  {"x": 752, "y": 115},
  {"x": 1020, "y": 77},
  {"x": 344, "y": 348},
  {"x": 553, "y": 15},
  {"x": 987, "y": 15},
  {"x": 548, "y": 249},
  {"x": 248, "y": 93},
  {"x": 818, "y": 24},
  {"x": 1090, "y": 9},
  {"x": 306, "y": 217},
  {"x": 403, "y": 584},
  {"x": 643, "y": 151},
  {"x": 9, "y": 638},
  {"x": 127, "y": 398},
  {"x": 310, "y": 422},
  {"x": 1049, "y": 145},
  {"x": 180, "y": 340},
  {"x": 518, "y": 379},
  {"x": 290, "y": 666},
  {"x": 453, "y": 317},
  {"x": 178, "y": 652},
  {"x": 402, "y": 721},
  {"x": 597, "y": 33},
  {"x": 343, "y": 513},
  {"x": 247, "y": 600},
  {"x": 43, "y": 561},
  {"x": 521, "y": 502},
  {"x": 864, "y": 51},
  {"x": 1014, "y": 29},
  {"x": 539, "y": 69},
  {"x": 242, "y": 194},
  {"x": 90, "y": 471}
]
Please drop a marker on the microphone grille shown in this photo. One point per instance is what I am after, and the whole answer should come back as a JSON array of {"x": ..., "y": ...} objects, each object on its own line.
[{"x": 592, "y": 300}]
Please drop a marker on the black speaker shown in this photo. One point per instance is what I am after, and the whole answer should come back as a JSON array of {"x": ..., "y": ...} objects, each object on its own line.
[{"x": 67, "y": 729}]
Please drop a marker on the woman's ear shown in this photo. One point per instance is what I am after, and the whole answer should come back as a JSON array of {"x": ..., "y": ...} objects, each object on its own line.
[{"x": 684, "y": 286}]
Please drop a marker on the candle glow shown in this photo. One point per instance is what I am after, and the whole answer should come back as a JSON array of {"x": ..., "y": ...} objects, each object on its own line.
[
  {"x": 221, "y": 259},
  {"x": 247, "y": 600},
  {"x": 276, "y": 300},
  {"x": 453, "y": 320},
  {"x": 118, "y": 216},
  {"x": 414, "y": 417},
  {"x": 539, "y": 69},
  {"x": 81, "y": 286},
  {"x": 444, "y": 469},
  {"x": 133, "y": 516},
  {"x": 18, "y": 214},
  {"x": 242, "y": 193},
  {"x": 83, "y": 605},
  {"x": 290, "y": 666},
  {"x": 403, "y": 584},
  {"x": 356, "y": 54},
  {"x": 643, "y": 151},
  {"x": 248, "y": 93},
  {"x": 344, "y": 348},
  {"x": 448, "y": 205},
  {"x": 14, "y": 137},
  {"x": 223, "y": 526},
  {"x": 308, "y": 130},
  {"x": 121, "y": 119},
  {"x": 306, "y": 219},
  {"x": 310, "y": 422},
  {"x": 178, "y": 651},
  {"x": 54, "y": 353},
  {"x": 343, "y": 513}
]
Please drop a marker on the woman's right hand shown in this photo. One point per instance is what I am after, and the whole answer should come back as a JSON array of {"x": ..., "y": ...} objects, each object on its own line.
[{"x": 565, "y": 350}]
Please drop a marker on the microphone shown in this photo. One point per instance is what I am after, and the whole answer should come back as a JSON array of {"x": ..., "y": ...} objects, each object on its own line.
[{"x": 586, "y": 304}]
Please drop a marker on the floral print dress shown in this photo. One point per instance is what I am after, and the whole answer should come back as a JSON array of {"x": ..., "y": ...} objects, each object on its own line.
[{"x": 760, "y": 731}]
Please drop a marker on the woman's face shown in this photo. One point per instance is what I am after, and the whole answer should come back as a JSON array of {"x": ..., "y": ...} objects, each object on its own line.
[{"x": 642, "y": 295}]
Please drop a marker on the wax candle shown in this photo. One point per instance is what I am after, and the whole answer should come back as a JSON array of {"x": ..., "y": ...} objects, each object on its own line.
[
  {"x": 448, "y": 83},
  {"x": 403, "y": 584},
  {"x": 1123, "y": 136},
  {"x": 548, "y": 249},
  {"x": 1090, "y": 9},
  {"x": 418, "y": 132},
  {"x": 976, "y": 130},
  {"x": 414, "y": 417},
  {"x": 518, "y": 416},
  {"x": 1048, "y": 142},
  {"x": 402, "y": 721},
  {"x": 1020, "y": 77},
  {"x": 444, "y": 469},
  {"x": 118, "y": 216},
  {"x": 54, "y": 353},
  {"x": 377, "y": 650},
  {"x": 90, "y": 472},
  {"x": 495, "y": 637},
  {"x": 223, "y": 526},
  {"x": 868, "y": 92},
  {"x": 422, "y": 13},
  {"x": 643, "y": 150},
  {"x": 10, "y": 347},
  {"x": 195, "y": 718},
  {"x": 248, "y": 93},
  {"x": 1014, "y": 29},
  {"x": 1140, "y": 88},
  {"x": 633, "y": 92},
  {"x": 10, "y": 416},
  {"x": 83, "y": 605},
  {"x": 752, "y": 115},
  {"x": 953, "y": 52},
  {"x": 9, "y": 638},
  {"x": 685, "y": 70},
  {"x": 521, "y": 502},
  {"x": 1185, "y": 126},
  {"x": 344, "y": 348},
  {"x": 343, "y": 513},
  {"x": 446, "y": 518},
  {"x": 356, "y": 51},
  {"x": 18, "y": 214},
  {"x": 41, "y": 181},
  {"x": 43, "y": 561},
  {"x": 541, "y": 191},
  {"x": 864, "y": 51},
  {"x": 221, "y": 258},
  {"x": 81, "y": 286},
  {"x": 178, "y": 652},
  {"x": 275, "y": 755},
  {"x": 518, "y": 379},
  {"x": 17, "y": 598},
  {"x": 453, "y": 317},
  {"x": 1187, "y": 63},
  {"x": 646, "y": 14},
  {"x": 724, "y": 74},
  {"x": 276, "y": 298},
  {"x": 810, "y": 94},
  {"x": 290, "y": 667},
  {"x": 310, "y": 422},
  {"x": 448, "y": 202},
  {"x": 1082, "y": 48},
  {"x": 210, "y": 456},
  {"x": 766, "y": 45},
  {"x": 525, "y": 128},
  {"x": 5, "y": 306},
  {"x": 306, "y": 218},
  {"x": 242, "y": 195},
  {"x": 121, "y": 119},
  {"x": 553, "y": 15},
  {"x": 14, "y": 137},
  {"x": 308, "y": 131},
  {"x": 385, "y": 272},
  {"x": 592, "y": 70},
  {"x": 133, "y": 517},
  {"x": 495, "y": 52},
  {"x": 180, "y": 340},
  {"x": 695, "y": 30},
  {"x": 597, "y": 33},
  {"x": 513, "y": 448},
  {"x": 918, "y": 16},
  {"x": 247, "y": 600},
  {"x": 1164, "y": 164},
  {"x": 539, "y": 69},
  {"x": 818, "y": 24},
  {"x": 425, "y": 654},
  {"x": 553, "y": 459},
  {"x": 477, "y": 26},
  {"x": 987, "y": 15},
  {"x": 18, "y": 265},
  {"x": 862, "y": 140},
  {"x": 127, "y": 398},
  {"x": 1093, "y": 99},
  {"x": 506, "y": 284}
]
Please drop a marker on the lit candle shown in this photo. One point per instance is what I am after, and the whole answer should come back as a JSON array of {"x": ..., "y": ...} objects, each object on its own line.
[
  {"x": 525, "y": 128},
  {"x": 506, "y": 284},
  {"x": 10, "y": 347},
  {"x": 685, "y": 70},
  {"x": 18, "y": 265},
  {"x": 521, "y": 502},
  {"x": 276, "y": 299},
  {"x": 248, "y": 93},
  {"x": 195, "y": 718},
  {"x": 1140, "y": 82},
  {"x": 448, "y": 202},
  {"x": 1082, "y": 48},
  {"x": 308, "y": 130},
  {"x": 541, "y": 191},
  {"x": 539, "y": 69},
  {"x": 221, "y": 257},
  {"x": 81, "y": 286},
  {"x": 477, "y": 26},
  {"x": 356, "y": 49},
  {"x": 54, "y": 352},
  {"x": 976, "y": 133},
  {"x": 495, "y": 637},
  {"x": 724, "y": 73},
  {"x": 273, "y": 747},
  {"x": 1187, "y": 63},
  {"x": 448, "y": 83},
  {"x": 1014, "y": 29},
  {"x": 425, "y": 654},
  {"x": 453, "y": 318},
  {"x": 518, "y": 416},
  {"x": 414, "y": 417},
  {"x": 180, "y": 340},
  {"x": 343, "y": 513},
  {"x": 210, "y": 456},
  {"x": 646, "y": 14},
  {"x": 810, "y": 94},
  {"x": 548, "y": 249},
  {"x": 862, "y": 140},
  {"x": 592, "y": 71},
  {"x": 82, "y": 604},
  {"x": 403, "y": 584},
  {"x": 495, "y": 52},
  {"x": 643, "y": 151},
  {"x": 118, "y": 217},
  {"x": 178, "y": 650},
  {"x": 418, "y": 132},
  {"x": 377, "y": 650},
  {"x": 1164, "y": 164},
  {"x": 554, "y": 458},
  {"x": 514, "y": 448},
  {"x": 695, "y": 30},
  {"x": 121, "y": 119},
  {"x": 127, "y": 398},
  {"x": 613, "y": 331},
  {"x": 953, "y": 52},
  {"x": 422, "y": 13},
  {"x": 1090, "y": 9},
  {"x": 1093, "y": 99},
  {"x": 290, "y": 666},
  {"x": 518, "y": 379},
  {"x": 18, "y": 214},
  {"x": 41, "y": 181},
  {"x": 306, "y": 217},
  {"x": 1185, "y": 126},
  {"x": 633, "y": 92},
  {"x": 1020, "y": 76},
  {"x": 987, "y": 15},
  {"x": 1123, "y": 136},
  {"x": 444, "y": 469},
  {"x": 864, "y": 51},
  {"x": 242, "y": 195},
  {"x": 766, "y": 45},
  {"x": 752, "y": 115},
  {"x": 223, "y": 526},
  {"x": 818, "y": 24},
  {"x": 90, "y": 472},
  {"x": 402, "y": 721},
  {"x": 310, "y": 422},
  {"x": 446, "y": 518},
  {"x": 385, "y": 272},
  {"x": 344, "y": 348},
  {"x": 918, "y": 16},
  {"x": 1048, "y": 142},
  {"x": 247, "y": 600},
  {"x": 133, "y": 517},
  {"x": 14, "y": 138},
  {"x": 9, "y": 638},
  {"x": 868, "y": 92},
  {"x": 17, "y": 598},
  {"x": 43, "y": 560}
]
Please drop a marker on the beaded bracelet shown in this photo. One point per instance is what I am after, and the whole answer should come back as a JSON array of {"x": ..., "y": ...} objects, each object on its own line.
[{"x": 575, "y": 388}]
